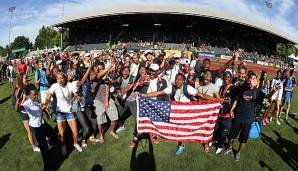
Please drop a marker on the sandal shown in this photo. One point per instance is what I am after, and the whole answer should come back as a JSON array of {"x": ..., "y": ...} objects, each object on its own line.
[
  {"x": 93, "y": 139},
  {"x": 114, "y": 135}
]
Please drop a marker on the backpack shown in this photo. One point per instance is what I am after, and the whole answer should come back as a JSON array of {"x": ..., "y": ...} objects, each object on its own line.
[
  {"x": 198, "y": 65},
  {"x": 185, "y": 92},
  {"x": 255, "y": 129},
  {"x": 14, "y": 97}
]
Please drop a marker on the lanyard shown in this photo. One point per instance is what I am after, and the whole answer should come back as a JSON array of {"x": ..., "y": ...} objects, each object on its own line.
[
  {"x": 68, "y": 97},
  {"x": 169, "y": 77},
  {"x": 179, "y": 94},
  {"x": 206, "y": 90},
  {"x": 224, "y": 91}
]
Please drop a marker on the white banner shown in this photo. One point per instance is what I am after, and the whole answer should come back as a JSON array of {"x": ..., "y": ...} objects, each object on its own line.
[{"x": 262, "y": 63}]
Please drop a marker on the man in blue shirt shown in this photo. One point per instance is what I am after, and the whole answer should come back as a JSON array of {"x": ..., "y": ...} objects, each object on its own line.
[
  {"x": 41, "y": 80},
  {"x": 288, "y": 88}
]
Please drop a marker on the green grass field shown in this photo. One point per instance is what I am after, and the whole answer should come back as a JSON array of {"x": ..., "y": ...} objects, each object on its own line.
[{"x": 275, "y": 149}]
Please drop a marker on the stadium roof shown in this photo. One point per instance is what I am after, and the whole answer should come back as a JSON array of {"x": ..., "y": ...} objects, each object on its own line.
[{"x": 172, "y": 9}]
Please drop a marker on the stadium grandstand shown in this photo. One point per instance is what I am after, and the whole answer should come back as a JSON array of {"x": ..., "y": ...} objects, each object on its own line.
[{"x": 185, "y": 28}]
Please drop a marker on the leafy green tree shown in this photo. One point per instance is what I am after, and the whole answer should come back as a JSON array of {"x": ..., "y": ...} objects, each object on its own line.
[
  {"x": 285, "y": 50},
  {"x": 3, "y": 51},
  {"x": 44, "y": 38},
  {"x": 21, "y": 42}
]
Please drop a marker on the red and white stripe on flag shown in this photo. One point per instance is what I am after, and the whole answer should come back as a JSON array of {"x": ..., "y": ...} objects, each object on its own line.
[{"x": 189, "y": 122}]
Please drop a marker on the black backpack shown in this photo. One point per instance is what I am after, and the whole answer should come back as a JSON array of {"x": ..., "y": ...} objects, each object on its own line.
[{"x": 185, "y": 92}]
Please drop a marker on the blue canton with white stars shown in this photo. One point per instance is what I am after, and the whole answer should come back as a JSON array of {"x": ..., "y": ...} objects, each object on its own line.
[{"x": 156, "y": 110}]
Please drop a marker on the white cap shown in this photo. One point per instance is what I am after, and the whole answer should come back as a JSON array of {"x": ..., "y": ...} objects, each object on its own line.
[
  {"x": 177, "y": 55},
  {"x": 58, "y": 62},
  {"x": 96, "y": 55},
  {"x": 185, "y": 61},
  {"x": 154, "y": 67},
  {"x": 87, "y": 55}
]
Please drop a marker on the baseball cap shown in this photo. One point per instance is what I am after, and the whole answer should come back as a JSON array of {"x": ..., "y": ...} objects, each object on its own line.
[
  {"x": 176, "y": 55},
  {"x": 96, "y": 55},
  {"x": 59, "y": 62},
  {"x": 154, "y": 67}
]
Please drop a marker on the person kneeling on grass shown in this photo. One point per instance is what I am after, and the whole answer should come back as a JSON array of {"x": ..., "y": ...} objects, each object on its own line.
[
  {"x": 39, "y": 128},
  {"x": 248, "y": 96},
  {"x": 180, "y": 93}
]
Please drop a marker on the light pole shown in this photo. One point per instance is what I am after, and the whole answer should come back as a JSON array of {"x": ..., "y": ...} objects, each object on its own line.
[
  {"x": 61, "y": 40},
  {"x": 11, "y": 10}
]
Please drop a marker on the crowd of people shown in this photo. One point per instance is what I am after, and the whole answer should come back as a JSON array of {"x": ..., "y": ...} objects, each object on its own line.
[{"x": 90, "y": 89}]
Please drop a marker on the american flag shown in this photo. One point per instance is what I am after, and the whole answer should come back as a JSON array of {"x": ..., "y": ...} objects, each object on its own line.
[{"x": 178, "y": 121}]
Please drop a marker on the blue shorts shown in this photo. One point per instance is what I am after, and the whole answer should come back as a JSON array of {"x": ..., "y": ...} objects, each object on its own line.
[
  {"x": 62, "y": 117},
  {"x": 24, "y": 116},
  {"x": 286, "y": 101}
]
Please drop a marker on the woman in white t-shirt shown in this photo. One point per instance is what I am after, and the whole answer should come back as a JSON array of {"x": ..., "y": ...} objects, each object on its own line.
[{"x": 64, "y": 92}]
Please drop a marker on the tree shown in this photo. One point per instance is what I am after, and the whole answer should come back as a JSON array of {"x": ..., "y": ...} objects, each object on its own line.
[
  {"x": 285, "y": 50},
  {"x": 57, "y": 39},
  {"x": 21, "y": 42},
  {"x": 45, "y": 37},
  {"x": 3, "y": 51}
]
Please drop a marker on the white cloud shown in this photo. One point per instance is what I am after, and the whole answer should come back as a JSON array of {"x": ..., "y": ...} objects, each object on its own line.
[{"x": 29, "y": 19}]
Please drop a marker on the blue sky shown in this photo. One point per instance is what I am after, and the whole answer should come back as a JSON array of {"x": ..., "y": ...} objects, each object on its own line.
[{"x": 30, "y": 15}]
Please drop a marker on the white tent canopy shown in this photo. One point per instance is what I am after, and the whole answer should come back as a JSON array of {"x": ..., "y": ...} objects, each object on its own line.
[{"x": 292, "y": 56}]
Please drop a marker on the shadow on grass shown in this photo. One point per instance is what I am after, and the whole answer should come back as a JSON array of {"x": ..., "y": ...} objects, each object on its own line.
[
  {"x": 4, "y": 99},
  {"x": 4, "y": 139},
  {"x": 96, "y": 167},
  {"x": 293, "y": 117},
  {"x": 264, "y": 165},
  {"x": 288, "y": 155},
  {"x": 55, "y": 152},
  {"x": 144, "y": 161}
]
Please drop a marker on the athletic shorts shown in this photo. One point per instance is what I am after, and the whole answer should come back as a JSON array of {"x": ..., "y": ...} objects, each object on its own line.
[
  {"x": 101, "y": 112},
  {"x": 43, "y": 95},
  {"x": 286, "y": 101},
  {"x": 10, "y": 79},
  {"x": 242, "y": 128},
  {"x": 24, "y": 116},
  {"x": 62, "y": 117}
]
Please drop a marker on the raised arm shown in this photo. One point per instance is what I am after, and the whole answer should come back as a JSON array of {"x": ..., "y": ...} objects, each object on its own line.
[
  {"x": 155, "y": 94},
  {"x": 205, "y": 96},
  {"x": 80, "y": 83}
]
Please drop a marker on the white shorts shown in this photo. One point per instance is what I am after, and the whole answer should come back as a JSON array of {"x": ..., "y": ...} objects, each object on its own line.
[
  {"x": 10, "y": 79},
  {"x": 274, "y": 96},
  {"x": 43, "y": 95}
]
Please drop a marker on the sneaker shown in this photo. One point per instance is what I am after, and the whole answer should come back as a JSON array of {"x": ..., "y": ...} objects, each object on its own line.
[
  {"x": 155, "y": 140},
  {"x": 237, "y": 157},
  {"x": 63, "y": 150},
  {"x": 211, "y": 143},
  {"x": 36, "y": 149},
  {"x": 270, "y": 119},
  {"x": 280, "y": 118},
  {"x": 134, "y": 142},
  {"x": 180, "y": 149},
  {"x": 218, "y": 151},
  {"x": 278, "y": 123},
  {"x": 267, "y": 121},
  {"x": 287, "y": 120},
  {"x": 78, "y": 147},
  {"x": 227, "y": 151},
  {"x": 120, "y": 129},
  {"x": 263, "y": 122}
]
